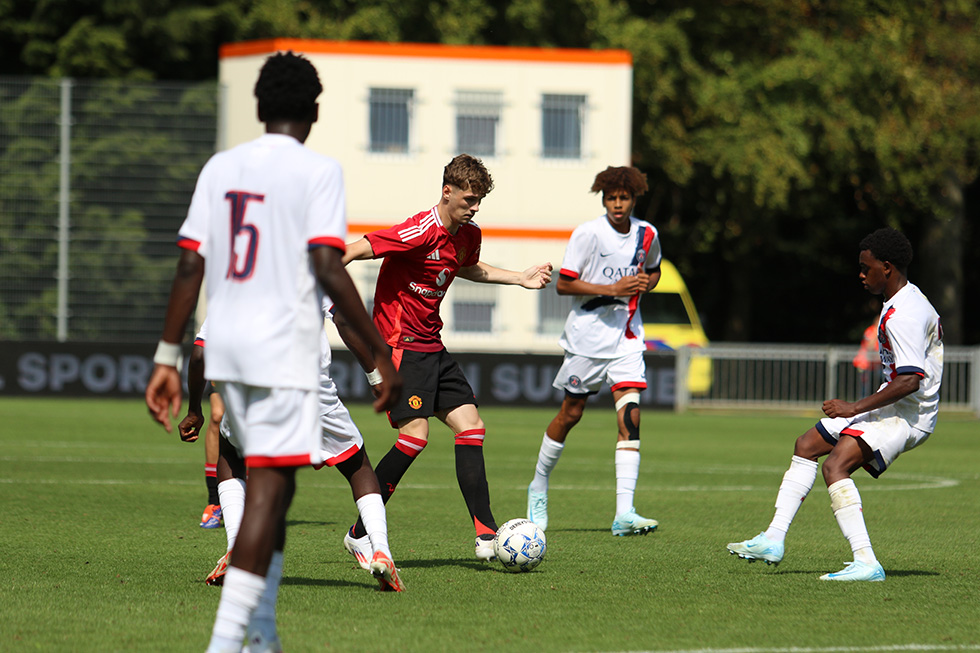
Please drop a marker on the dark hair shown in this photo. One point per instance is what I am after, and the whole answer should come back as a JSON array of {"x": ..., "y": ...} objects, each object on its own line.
[
  {"x": 626, "y": 178},
  {"x": 287, "y": 88},
  {"x": 891, "y": 245},
  {"x": 468, "y": 173}
]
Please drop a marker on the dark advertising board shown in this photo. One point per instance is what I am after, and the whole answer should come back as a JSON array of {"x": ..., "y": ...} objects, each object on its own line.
[{"x": 99, "y": 369}]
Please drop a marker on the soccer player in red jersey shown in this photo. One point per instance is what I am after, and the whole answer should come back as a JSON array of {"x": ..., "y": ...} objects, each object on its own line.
[{"x": 422, "y": 256}]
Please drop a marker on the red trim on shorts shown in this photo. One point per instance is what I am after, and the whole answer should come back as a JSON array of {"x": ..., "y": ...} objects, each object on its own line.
[
  {"x": 472, "y": 437},
  {"x": 297, "y": 460},
  {"x": 404, "y": 445},
  {"x": 339, "y": 458},
  {"x": 639, "y": 385},
  {"x": 854, "y": 433}
]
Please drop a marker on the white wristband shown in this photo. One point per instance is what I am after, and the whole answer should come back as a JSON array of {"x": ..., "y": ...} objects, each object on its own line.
[
  {"x": 167, "y": 354},
  {"x": 373, "y": 377}
]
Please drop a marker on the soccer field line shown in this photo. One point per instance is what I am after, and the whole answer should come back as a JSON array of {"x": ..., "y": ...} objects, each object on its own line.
[{"x": 826, "y": 649}]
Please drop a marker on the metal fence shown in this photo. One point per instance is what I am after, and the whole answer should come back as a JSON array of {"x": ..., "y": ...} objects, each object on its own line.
[
  {"x": 801, "y": 377},
  {"x": 96, "y": 179}
]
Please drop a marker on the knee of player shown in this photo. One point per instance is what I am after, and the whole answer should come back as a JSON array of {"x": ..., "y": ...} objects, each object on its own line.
[{"x": 628, "y": 414}]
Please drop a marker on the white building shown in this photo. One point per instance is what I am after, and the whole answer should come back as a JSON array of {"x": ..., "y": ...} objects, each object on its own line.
[{"x": 544, "y": 121}]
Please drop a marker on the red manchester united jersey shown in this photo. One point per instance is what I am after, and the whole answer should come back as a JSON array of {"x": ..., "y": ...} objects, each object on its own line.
[{"x": 421, "y": 259}]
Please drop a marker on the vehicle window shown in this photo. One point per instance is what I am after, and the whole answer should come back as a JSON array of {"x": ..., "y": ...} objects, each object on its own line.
[{"x": 663, "y": 308}]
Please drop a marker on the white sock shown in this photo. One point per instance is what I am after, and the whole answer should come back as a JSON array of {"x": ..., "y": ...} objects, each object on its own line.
[
  {"x": 240, "y": 595},
  {"x": 266, "y": 608},
  {"x": 231, "y": 494},
  {"x": 548, "y": 456},
  {"x": 375, "y": 520},
  {"x": 627, "y": 471},
  {"x": 797, "y": 483},
  {"x": 846, "y": 502}
]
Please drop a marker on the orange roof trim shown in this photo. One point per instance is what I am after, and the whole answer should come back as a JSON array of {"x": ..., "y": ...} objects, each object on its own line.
[
  {"x": 517, "y": 233},
  {"x": 427, "y": 50}
]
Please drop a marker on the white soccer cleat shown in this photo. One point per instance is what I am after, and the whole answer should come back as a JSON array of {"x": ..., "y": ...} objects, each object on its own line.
[
  {"x": 759, "y": 547},
  {"x": 858, "y": 571},
  {"x": 360, "y": 548},
  {"x": 383, "y": 568},
  {"x": 484, "y": 549},
  {"x": 630, "y": 523},
  {"x": 537, "y": 508}
]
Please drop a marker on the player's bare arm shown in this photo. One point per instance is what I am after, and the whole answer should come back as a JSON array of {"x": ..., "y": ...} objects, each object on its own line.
[
  {"x": 329, "y": 268},
  {"x": 533, "y": 278},
  {"x": 902, "y": 386},
  {"x": 357, "y": 346},
  {"x": 190, "y": 427},
  {"x": 163, "y": 391},
  {"x": 624, "y": 287},
  {"x": 359, "y": 250}
]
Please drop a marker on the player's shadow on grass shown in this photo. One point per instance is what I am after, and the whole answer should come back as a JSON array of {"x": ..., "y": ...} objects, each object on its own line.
[
  {"x": 302, "y": 522},
  {"x": 444, "y": 562},
  {"x": 325, "y": 582},
  {"x": 888, "y": 573}
]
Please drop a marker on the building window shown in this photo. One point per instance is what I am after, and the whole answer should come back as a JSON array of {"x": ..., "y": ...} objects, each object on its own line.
[
  {"x": 562, "y": 117},
  {"x": 474, "y": 305},
  {"x": 477, "y": 119},
  {"x": 391, "y": 114},
  {"x": 553, "y": 310}
]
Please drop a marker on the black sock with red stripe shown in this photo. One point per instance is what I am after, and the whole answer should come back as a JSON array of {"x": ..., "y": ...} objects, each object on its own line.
[{"x": 471, "y": 474}]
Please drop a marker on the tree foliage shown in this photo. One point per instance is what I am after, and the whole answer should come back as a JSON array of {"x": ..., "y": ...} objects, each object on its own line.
[{"x": 775, "y": 133}]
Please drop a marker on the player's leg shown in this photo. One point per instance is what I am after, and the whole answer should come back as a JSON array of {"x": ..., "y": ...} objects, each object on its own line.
[
  {"x": 419, "y": 372},
  {"x": 797, "y": 482},
  {"x": 212, "y": 512},
  {"x": 471, "y": 473},
  {"x": 848, "y": 456},
  {"x": 552, "y": 446},
  {"x": 231, "y": 493},
  {"x": 627, "y": 462}
]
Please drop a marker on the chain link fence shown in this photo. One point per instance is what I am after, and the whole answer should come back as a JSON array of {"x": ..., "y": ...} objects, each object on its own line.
[{"x": 96, "y": 179}]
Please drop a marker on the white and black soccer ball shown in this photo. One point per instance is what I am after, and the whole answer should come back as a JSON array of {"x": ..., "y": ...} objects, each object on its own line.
[{"x": 519, "y": 545}]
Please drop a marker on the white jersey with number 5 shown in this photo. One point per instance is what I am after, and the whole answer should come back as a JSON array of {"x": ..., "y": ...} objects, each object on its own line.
[
  {"x": 599, "y": 326},
  {"x": 257, "y": 210}
]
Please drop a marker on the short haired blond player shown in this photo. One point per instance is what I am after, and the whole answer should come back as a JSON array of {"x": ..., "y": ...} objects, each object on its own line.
[{"x": 422, "y": 256}]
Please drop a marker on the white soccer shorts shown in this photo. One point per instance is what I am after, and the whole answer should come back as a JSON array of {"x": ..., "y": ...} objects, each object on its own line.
[
  {"x": 581, "y": 374},
  {"x": 272, "y": 427},
  {"x": 339, "y": 437},
  {"x": 887, "y": 434}
]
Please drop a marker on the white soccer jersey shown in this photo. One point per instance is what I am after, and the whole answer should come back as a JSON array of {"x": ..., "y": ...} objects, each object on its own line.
[
  {"x": 910, "y": 340},
  {"x": 607, "y": 327},
  {"x": 256, "y": 211}
]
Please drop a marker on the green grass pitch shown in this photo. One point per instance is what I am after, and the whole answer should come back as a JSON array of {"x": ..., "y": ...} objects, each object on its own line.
[{"x": 100, "y": 548}]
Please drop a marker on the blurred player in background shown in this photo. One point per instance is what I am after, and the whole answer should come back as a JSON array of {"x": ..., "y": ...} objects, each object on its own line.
[
  {"x": 875, "y": 430},
  {"x": 268, "y": 216},
  {"x": 422, "y": 256},
  {"x": 341, "y": 445},
  {"x": 212, "y": 436},
  {"x": 609, "y": 263}
]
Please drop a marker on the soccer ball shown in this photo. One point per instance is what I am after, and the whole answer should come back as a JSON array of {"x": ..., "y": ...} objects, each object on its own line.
[{"x": 519, "y": 545}]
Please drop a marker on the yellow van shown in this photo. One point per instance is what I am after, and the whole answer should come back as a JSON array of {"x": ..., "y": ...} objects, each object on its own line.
[{"x": 671, "y": 321}]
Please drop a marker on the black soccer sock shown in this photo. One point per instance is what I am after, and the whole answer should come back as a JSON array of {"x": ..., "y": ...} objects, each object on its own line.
[
  {"x": 389, "y": 472},
  {"x": 471, "y": 474},
  {"x": 212, "y": 482}
]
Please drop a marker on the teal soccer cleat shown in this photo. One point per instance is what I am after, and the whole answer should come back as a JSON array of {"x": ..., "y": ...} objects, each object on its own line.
[
  {"x": 759, "y": 547},
  {"x": 858, "y": 571},
  {"x": 630, "y": 523},
  {"x": 537, "y": 508}
]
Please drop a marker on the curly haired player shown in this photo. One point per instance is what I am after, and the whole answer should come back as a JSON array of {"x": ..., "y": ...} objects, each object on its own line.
[{"x": 609, "y": 263}]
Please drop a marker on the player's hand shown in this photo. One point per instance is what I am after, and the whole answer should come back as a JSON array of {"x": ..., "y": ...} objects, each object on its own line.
[
  {"x": 190, "y": 427},
  {"x": 390, "y": 388},
  {"x": 838, "y": 408},
  {"x": 536, "y": 276},
  {"x": 644, "y": 280},
  {"x": 164, "y": 394},
  {"x": 627, "y": 286}
]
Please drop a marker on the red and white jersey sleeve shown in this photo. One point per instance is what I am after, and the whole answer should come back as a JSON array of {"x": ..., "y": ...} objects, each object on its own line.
[
  {"x": 421, "y": 259},
  {"x": 202, "y": 334},
  {"x": 607, "y": 327},
  {"x": 257, "y": 210},
  {"x": 910, "y": 341}
]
